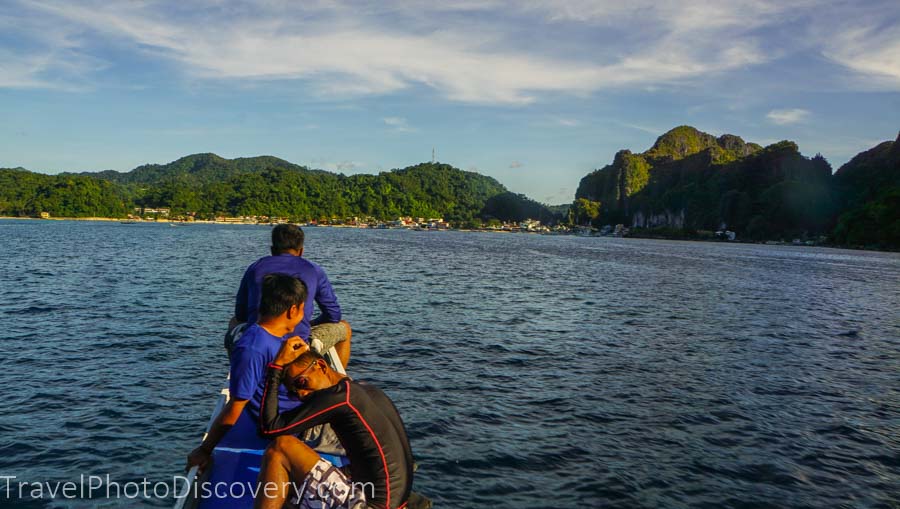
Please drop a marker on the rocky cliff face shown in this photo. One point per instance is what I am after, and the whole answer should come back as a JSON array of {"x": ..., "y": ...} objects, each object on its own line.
[
  {"x": 664, "y": 219},
  {"x": 684, "y": 141},
  {"x": 694, "y": 180}
]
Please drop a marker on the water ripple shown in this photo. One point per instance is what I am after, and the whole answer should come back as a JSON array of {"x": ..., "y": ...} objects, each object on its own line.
[{"x": 530, "y": 371}]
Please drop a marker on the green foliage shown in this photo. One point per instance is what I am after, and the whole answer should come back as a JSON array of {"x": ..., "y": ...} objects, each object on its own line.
[
  {"x": 584, "y": 212},
  {"x": 208, "y": 185},
  {"x": 868, "y": 193},
  {"x": 636, "y": 174},
  {"x": 681, "y": 142},
  {"x": 516, "y": 207},
  {"x": 27, "y": 194},
  {"x": 472, "y": 224},
  {"x": 691, "y": 181},
  {"x": 875, "y": 223},
  {"x": 560, "y": 210}
]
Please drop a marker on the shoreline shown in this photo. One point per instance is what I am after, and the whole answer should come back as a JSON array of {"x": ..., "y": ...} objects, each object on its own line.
[
  {"x": 171, "y": 221},
  {"x": 124, "y": 219}
]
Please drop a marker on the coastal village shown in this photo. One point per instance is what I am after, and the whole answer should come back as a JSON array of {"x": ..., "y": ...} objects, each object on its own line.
[
  {"x": 404, "y": 222},
  {"x": 163, "y": 215}
]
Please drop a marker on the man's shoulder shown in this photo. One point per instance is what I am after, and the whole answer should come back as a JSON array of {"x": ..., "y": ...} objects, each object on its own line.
[
  {"x": 372, "y": 391},
  {"x": 261, "y": 263},
  {"x": 309, "y": 263},
  {"x": 310, "y": 267},
  {"x": 295, "y": 263},
  {"x": 255, "y": 338},
  {"x": 320, "y": 272},
  {"x": 256, "y": 266}
]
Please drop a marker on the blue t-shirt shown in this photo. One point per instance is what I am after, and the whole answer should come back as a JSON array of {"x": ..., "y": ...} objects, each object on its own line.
[
  {"x": 250, "y": 357},
  {"x": 317, "y": 285}
]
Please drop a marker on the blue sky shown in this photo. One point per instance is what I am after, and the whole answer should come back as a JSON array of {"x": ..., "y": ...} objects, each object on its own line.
[{"x": 533, "y": 93}]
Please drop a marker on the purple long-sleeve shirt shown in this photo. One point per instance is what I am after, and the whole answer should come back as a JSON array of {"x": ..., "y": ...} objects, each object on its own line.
[{"x": 318, "y": 287}]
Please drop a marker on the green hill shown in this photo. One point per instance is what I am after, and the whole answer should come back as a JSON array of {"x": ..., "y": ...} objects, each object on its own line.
[
  {"x": 197, "y": 169},
  {"x": 868, "y": 191},
  {"x": 23, "y": 193},
  {"x": 209, "y": 185}
]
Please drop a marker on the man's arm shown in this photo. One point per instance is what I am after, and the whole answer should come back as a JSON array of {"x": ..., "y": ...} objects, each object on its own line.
[
  {"x": 220, "y": 426},
  {"x": 320, "y": 408},
  {"x": 327, "y": 300},
  {"x": 247, "y": 371}
]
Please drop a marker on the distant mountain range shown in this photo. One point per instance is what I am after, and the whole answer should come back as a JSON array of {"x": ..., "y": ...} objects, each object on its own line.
[{"x": 687, "y": 182}]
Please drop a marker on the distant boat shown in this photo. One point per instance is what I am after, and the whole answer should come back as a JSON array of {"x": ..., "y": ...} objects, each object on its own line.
[{"x": 128, "y": 222}]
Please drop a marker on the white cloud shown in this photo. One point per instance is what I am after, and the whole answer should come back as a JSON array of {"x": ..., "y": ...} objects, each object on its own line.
[
  {"x": 516, "y": 164},
  {"x": 568, "y": 122},
  {"x": 871, "y": 50},
  {"x": 643, "y": 128},
  {"x": 43, "y": 50},
  {"x": 787, "y": 116},
  {"x": 398, "y": 124},
  {"x": 346, "y": 49}
]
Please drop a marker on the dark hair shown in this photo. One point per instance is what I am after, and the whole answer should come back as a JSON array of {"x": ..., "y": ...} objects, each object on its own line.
[
  {"x": 285, "y": 237},
  {"x": 279, "y": 293},
  {"x": 308, "y": 357}
]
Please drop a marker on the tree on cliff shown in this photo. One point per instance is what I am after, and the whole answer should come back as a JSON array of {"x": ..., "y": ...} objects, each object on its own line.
[{"x": 584, "y": 212}]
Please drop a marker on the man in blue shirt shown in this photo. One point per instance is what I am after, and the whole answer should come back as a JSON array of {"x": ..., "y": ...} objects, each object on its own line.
[
  {"x": 287, "y": 258},
  {"x": 280, "y": 310}
]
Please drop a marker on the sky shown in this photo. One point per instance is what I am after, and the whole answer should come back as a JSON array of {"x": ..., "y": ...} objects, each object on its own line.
[{"x": 533, "y": 93}]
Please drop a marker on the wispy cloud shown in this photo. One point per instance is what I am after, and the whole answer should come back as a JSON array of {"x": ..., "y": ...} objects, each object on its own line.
[
  {"x": 343, "y": 48},
  {"x": 568, "y": 122},
  {"x": 516, "y": 164},
  {"x": 645, "y": 129},
  {"x": 872, "y": 49},
  {"x": 45, "y": 55},
  {"x": 398, "y": 124},
  {"x": 787, "y": 116}
]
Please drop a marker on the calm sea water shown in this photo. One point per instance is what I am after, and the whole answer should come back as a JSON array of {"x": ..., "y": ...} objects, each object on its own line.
[{"x": 531, "y": 371}]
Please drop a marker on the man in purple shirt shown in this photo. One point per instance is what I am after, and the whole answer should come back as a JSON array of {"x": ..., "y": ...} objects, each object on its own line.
[{"x": 287, "y": 258}]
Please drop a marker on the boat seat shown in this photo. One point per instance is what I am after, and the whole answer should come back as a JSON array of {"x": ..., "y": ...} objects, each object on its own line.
[{"x": 236, "y": 461}]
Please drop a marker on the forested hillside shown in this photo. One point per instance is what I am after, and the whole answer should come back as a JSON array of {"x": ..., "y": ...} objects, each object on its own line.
[
  {"x": 690, "y": 181},
  {"x": 208, "y": 185}
]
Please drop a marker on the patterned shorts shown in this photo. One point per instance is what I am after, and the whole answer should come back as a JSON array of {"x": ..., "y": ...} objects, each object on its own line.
[
  {"x": 329, "y": 334},
  {"x": 326, "y": 487}
]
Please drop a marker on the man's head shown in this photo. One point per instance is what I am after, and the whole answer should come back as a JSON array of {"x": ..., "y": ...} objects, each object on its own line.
[
  {"x": 287, "y": 238},
  {"x": 308, "y": 373},
  {"x": 283, "y": 299}
]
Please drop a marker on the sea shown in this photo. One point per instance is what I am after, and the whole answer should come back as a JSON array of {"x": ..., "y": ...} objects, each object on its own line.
[{"x": 531, "y": 371}]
